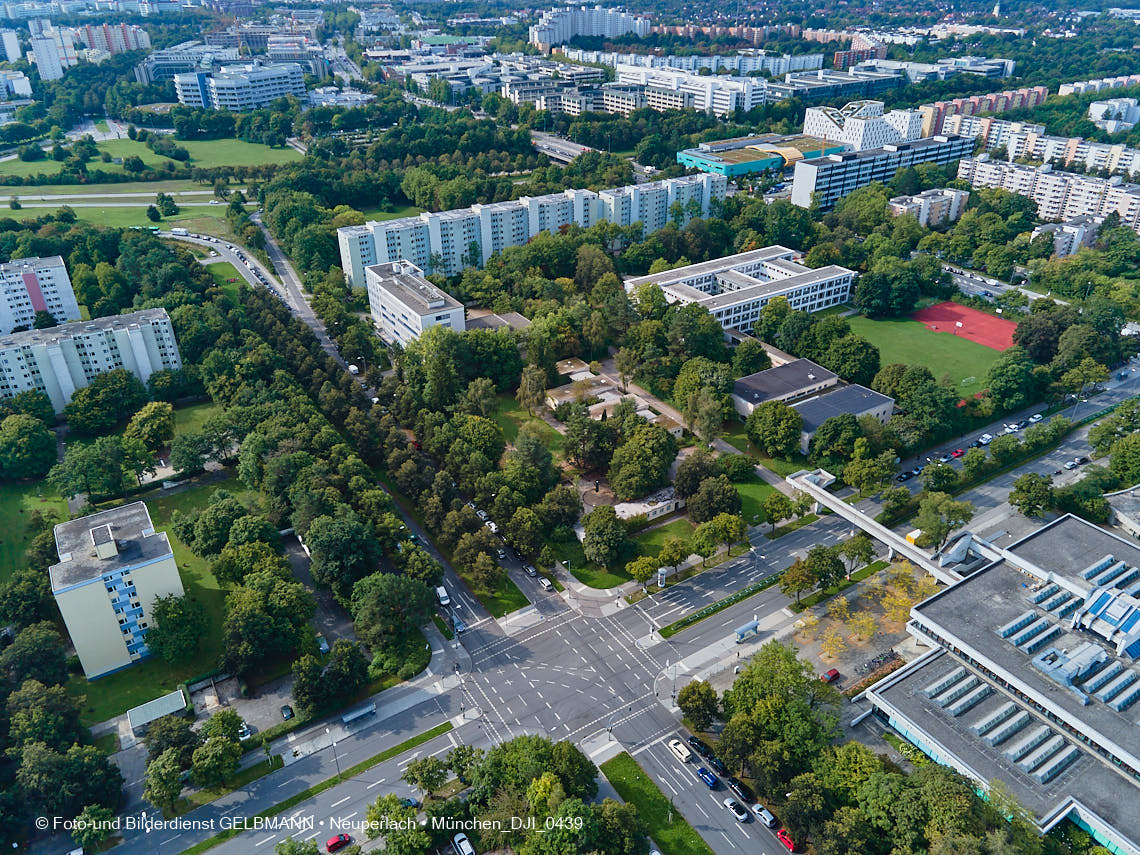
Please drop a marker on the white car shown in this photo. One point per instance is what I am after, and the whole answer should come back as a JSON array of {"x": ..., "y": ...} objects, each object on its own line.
[
  {"x": 481, "y": 514},
  {"x": 1035, "y": 418},
  {"x": 736, "y": 809},
  {"x": 764, "y": 815},
  {"x": 680, "y": 750},
  {"x": 986, "y": 438},
  {"x": 462, "y": 845},
  {"x": 491, "y": 525}
]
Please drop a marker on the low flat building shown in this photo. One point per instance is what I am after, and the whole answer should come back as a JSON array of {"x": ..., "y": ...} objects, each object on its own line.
[
  {"x": 1033, "y": 678},
  {"x": 788, "y": 382},
  {"x": 140, "y": 718},
  {"x": 112, "y": 566},
  {"x": 403, "y": 303},
  {"x": 854, "y": 399},
  {"x": 734, "y": 158},
  {"x": 59, "y": 360},
  {"x": 932, "y": 207},
  {"x": 659, "y": 504},
  {"x": 736, "y": 287}
]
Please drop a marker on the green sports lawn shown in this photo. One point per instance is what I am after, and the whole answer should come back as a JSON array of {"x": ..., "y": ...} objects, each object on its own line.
[{"x": 904, "y": 340}]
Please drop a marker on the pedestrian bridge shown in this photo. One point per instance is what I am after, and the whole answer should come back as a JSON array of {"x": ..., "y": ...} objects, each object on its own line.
[{"x": 814, "y": 483}]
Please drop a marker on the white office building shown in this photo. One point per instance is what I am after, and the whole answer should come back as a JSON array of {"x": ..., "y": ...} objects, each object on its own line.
[
  {"x": 736, "y": 287},
  {"x": 181, "y": 59},
  {"x": 561, "y": 25},
  {"x": 403, "y": 303},
  {"x": 863, "y": 124},
  {"x": 716, "y": 94},
  {"x": 30, "y": 285},
  {"x": 59, "y": 360},
  {"x": 449, "y": 241},
  {"x": 11, "y": 40},
  {"x": 239, "y": 88},
  {"x": 1115, "y": 114},
  {"x": 112, "y": 567}
]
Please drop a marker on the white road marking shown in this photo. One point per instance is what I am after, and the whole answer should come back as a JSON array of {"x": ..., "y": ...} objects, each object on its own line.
[
  {"x": 342, "y": 801},
  {"x": 350, "y": 816},
  {"x": 376, "y": 784},
  {"x": 266, "y": 840}
]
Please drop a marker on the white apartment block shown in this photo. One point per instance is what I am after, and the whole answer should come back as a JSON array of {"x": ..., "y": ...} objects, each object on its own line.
[
  {"x": 862, "y": 124},
  {"x": 1083, "y": 86},
  {"x": 30, "y": 285},
  {"x": 716, "y": 94},
  {"x": 59, "y": 360},
  {"x": 1115, "y": 114},
  {"x": 113, "y": 38},
  {"x": 991, "y": 131},
  {"x": 11, "y": 40},
  {"x": 449, "y": 241},
  {"x": 932, "y": 207},
  {"x": 112, "y": 567},
  {"x": 239, "y": 88},
  {"x": 736, "y": 287},
  {"x": 1060, "y": 196},
  {"x": 1029, "y": 142},
  {"x": 750, "y": 61},
  {"x": 45, "y": 55},
  {"x": 1071, "y": 235},
  {"x": 561, "y": 25},
  {"x": 14, "y": 84},
  {"x": 404, "y": 304}
]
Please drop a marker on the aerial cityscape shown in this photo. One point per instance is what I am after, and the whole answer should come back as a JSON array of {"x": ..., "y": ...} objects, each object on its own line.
[{"x": 471, "y": 428}]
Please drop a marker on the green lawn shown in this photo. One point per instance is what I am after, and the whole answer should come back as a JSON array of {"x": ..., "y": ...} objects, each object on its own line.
[
  {"x": 116, "y": 693},
  {"x": 674, "y": 837},
  {"x": 17, "y": 501},
  {"x": 904, "y": 340},
  {"x": 223, "y": 271},
  {"x": 752, "y": 494},
  {"x": 196, "y": 218},
  {"x": 650, "y": 541},
  {"x": 735, "y": 436},
  {"x": 510, "y": 417},
  {"x": 190, "y": 418},
  {"x": 570, "y": 552},
  {"x": 203, "y": 153}
]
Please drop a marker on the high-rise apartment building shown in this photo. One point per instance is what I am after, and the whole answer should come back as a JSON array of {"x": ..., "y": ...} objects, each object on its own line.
[
  {"x": 239, "y": 88},
  {"x": 30, "y": 285},
  {"x": 449, "y": 241},
  {"x": 112, "y": 567},
  {"x": 11, "y": 41},
  {"x": 46, "y": 56},
  {"x": 561, "y": 25},
  {"x": 59, "y": 360},
  {"x": 113, "y": 38},
  {"x": 403, "y": 303}
]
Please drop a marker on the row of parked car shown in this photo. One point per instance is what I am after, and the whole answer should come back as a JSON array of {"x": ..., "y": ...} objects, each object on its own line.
[
  {"x": 684, "y": 753},
  {"x": 981, "y": 442}
]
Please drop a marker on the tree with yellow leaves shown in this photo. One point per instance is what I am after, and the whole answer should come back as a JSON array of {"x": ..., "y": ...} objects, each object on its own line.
[
  {"x": 862, "y": 625},
  {"x": 832, "y": 643},
  {"x": 839, "y": 608}
]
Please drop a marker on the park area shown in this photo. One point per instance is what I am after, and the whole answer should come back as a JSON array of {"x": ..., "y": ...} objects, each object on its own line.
[{"x": 913, "y": 342}]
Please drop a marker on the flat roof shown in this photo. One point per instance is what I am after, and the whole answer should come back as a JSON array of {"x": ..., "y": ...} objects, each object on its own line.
[
  {"x": 22, "y": 263},
  {"x": 782, "y": 380},
  {"x": 129, "y": 526},
  {"x": 854, "y": 399},
  {"x": 412, "y": 289},
  {"x": 715, "y": 265},
  {"x": 773, "y": 286},
  {"x": 144, "y": 714},
  {"x": 1088, "y": 780},
  {"x": 66, "y": 331}
]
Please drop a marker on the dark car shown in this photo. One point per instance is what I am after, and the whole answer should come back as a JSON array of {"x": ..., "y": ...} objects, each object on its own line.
[
  {"x": 286, "y": 712},
  {"x": 1081, "y": 461},
  {"x": 740, "y": 790},
  {"x": 409, "y": 803},
  {"x": 717, "y": 765},
  {"x": 700, "y": 746},
  {"x": 903, "y": 476},
  {"x": 708, "y": 777}
]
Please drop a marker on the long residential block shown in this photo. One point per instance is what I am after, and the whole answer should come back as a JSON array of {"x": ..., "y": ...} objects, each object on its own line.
[
  {"x": 59, "y": 360},
  {"x": 449, "y": 241},
  {"x": 30, "y": 285}
]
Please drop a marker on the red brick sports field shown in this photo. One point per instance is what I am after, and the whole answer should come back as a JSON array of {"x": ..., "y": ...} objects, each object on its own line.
[{"x": 986, "y": 330}]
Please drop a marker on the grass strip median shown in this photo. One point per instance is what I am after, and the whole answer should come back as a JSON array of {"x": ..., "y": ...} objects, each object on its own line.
[
  {"x": 666, "y": 826},
  {"x": 720, "y": 605},
  {"x": 328, "y": 783}
]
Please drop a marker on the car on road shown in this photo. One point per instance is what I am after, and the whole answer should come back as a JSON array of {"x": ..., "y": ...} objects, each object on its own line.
[
  {"x": 830, "y": 675},
  {"x": 985, "y": 438},
  {"x": 530, "y": 570},
  {"x": 680, "y": 751},
  {"x": 491, "y": 525},
  {"x": 1011, "y": 429},
  {"x": 956, "y": 453},
  {"x": 545, "y": 584},
  {"x": 1081, "y": 461},
  {"x": 338, "y": 842},
  {"x": 462, "y": 845},
  {"x": 286, "y": 712},
  {"x": 711, "y": 780},
  {"x": 717, "y": 765},
  {"x": 736, "y": 809},
  {"x": 501, "y": 553},
  {"x": 244, "y": 732},
  {"x": 322, "y": 643},
  {"x": 1071, "y": 465},
  {"x": 1035, "y": 418},
  {"x": 786, "y": 839},
  {"x": 1021, "y": 425},
  {"x": 482, "y": 514},
  {"x": 945, "y": 458},
  {"x": 741, "y": 790},
  {"x": 457, "y": 624},
  {"x": 764, "y": 815},
  {"x": 916, "y": 471},
  {"x": 903, "y": 476},
  {"x": 700, "y": 746}
]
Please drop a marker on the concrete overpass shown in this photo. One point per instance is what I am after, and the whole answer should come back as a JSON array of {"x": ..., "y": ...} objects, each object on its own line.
[
  {"x": 557, "y": 148},
  {"x": 814, "y": 482}
]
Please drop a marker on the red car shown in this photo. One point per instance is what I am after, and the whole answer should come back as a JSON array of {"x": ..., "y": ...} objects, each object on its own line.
[
  {"x": 829, "y": 676},
  {"x": 786, "y": 839},
  {"x": 957, "y": 452},
  {"x": 338, "y": 842}
]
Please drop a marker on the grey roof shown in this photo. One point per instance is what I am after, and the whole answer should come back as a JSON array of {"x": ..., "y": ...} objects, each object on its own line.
[
  {"x": 854, "y": 399},
  {"x": 762, "y": 287},
  {"x": 716, "y": 265},
  {"x": 144, "y": 714},
  {"x": 412, "y": 290},
  {"x": 781, "y": 381},
  {"x": 66, "y": 331},
  {"x": 134, "y": 535},
  {"x": 24, "y": 263},
  {"x": 495, "y": 320}
]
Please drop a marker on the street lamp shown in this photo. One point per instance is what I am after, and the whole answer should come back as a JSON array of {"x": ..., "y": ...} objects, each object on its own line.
[{"x": 336, "y": 757}]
